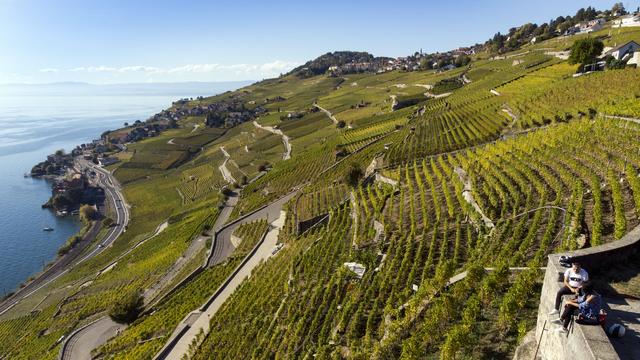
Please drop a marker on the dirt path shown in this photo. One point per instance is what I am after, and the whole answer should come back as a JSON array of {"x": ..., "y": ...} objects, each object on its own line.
[
  {"x": 329, "y": 114},
  {"x": 509, "y": 112},
  {"x": 436, "y": 96},
  {"x": 394, "y": 101},
  {"x": 285, "y": 139},
  {"x": 634, "y": 120},
  {"x": 468, "y": 196},
  {"x": 226, "y": 174},
  {"x": 195, "y": 127}
]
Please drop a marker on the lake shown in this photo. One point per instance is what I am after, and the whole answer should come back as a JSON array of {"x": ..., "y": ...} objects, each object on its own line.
[{"x": 37, "y": 120}]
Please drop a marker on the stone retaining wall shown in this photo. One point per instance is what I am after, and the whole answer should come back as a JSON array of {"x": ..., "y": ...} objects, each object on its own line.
[{"x": 584, "y": 341}]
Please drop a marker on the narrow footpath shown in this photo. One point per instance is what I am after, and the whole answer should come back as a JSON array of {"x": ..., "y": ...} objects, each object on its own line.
[
  {"x": 329, "y": 114},
  {"x": 468, "y": 197},
  {"x": 285, "y": 139},
  {"x": 226, "y": 174}
]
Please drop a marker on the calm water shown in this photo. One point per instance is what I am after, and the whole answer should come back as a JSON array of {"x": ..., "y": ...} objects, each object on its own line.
[{"x": 36, "y": 121}]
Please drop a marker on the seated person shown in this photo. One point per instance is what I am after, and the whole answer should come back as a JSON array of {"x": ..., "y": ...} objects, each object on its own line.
[
  {"x": 588, "y": 304},
  {"x": 574, "y": 277}
]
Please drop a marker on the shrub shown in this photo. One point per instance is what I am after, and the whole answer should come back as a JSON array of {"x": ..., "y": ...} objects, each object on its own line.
[
  {"x": 585, "y": 51},
  {"x": 88, "y": 213},
  {"x": 353, "y": 174},
  {"x": 107, "y": 222},
  {"x": 127, "y": 309}
]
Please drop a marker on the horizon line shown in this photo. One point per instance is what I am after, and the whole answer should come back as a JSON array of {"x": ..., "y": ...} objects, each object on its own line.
[{"x": 129, "y": 83}]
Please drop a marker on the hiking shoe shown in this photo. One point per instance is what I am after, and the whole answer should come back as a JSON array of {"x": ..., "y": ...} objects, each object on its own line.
[
  {"x": 560, "y": 330},
  {"x": 556, "y": 322},
  {"x": 554, "y": 312}
]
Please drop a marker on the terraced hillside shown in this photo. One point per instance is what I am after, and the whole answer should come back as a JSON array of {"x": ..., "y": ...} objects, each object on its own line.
[{"x": 414, "y": 180}]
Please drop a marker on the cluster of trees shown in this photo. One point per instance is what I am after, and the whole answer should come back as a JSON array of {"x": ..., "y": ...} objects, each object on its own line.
[
  {"x": 518, "y": 36},
  {"x": 585, "y": 51},
  {"x": 438, "y": 60},
  {"x": 322, "y": 63}
]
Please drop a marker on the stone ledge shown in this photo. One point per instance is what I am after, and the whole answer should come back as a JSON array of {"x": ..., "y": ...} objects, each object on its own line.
[{"x": 584, "y": 341}]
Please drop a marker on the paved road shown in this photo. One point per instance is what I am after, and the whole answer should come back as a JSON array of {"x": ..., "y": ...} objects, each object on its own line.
[
  {"x": 112, "y": 190},
  {"x": 222, "y": 246},
  {"x": 80, "y": 345},
  {"x": 74, "y": 256},
  {"x": 97, "y": 333},
  {"x": 198, "y": 321}
]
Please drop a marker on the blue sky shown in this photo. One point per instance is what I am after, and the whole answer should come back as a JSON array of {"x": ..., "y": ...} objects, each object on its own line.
[{"x": 115, "y": 41}]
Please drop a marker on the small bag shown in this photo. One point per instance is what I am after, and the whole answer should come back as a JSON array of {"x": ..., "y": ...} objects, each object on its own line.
[
  {"x": 602, "y": 318},
  {"x": 565, "y": 261}
]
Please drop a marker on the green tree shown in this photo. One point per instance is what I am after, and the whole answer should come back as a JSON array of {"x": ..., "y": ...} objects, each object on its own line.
[
  {"x": 87, "y": 213},
  {"x": 353, "y": 175},
  {"x": 618, "y": 9},
  {"x": 127, "y": 309},
  {"x": 585, "y": 51}
]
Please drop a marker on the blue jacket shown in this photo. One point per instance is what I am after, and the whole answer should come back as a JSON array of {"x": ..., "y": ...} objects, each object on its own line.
[{"x": 590, "y": 310}]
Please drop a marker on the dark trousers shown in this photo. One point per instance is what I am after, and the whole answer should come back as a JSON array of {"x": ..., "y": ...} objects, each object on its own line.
[
  {"x": 566, "y": 314},
  {"x": 563, "y": 291}
]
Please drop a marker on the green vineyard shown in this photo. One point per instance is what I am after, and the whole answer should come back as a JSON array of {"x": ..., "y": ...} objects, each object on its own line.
[{"x": 423, "y": 203}]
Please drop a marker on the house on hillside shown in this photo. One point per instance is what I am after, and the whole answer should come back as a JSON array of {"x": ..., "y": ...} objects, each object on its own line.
[
  {"x": 106, "y": 161},
  {"x": 619, "y": 52},
  {"x": 635, "y": 59},
  {"x": 628, "y": 21},
  {"x": 591, "y": 26}
]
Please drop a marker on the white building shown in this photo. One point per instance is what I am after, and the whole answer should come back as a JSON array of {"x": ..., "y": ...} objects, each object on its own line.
[
  {"x": 619, "y": 52},
  {"x": 591, "y": 26},
  {"x": 628, "y": 21},
  {"x": 635, "y": 60},
  {"x": 106, "y": 161}
]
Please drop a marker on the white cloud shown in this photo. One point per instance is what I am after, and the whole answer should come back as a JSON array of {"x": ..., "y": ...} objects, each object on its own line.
[
  {"x": 266, "y": 68},
  {"x": 279, "y": 65},
  {"x": 140, "y": 68},
  {"x": 101, "y": 68},
  {"x": 188, "y": 72},
  {"x": 197, "y": 68}
]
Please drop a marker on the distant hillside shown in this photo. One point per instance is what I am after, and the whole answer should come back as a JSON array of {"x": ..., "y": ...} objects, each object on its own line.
[{"x": 322, "y": 63}]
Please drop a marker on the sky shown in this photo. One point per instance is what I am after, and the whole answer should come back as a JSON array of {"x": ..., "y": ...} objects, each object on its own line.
[{"x": 130, "y": 41}]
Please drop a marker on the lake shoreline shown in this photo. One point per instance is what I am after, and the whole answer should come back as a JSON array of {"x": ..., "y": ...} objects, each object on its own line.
[{"x": 29, "y": 134}]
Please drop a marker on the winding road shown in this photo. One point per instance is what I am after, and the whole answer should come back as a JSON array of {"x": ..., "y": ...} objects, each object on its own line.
[
  {"x": 113, "y": 195},
  {"x": 222, "y": 247}
]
